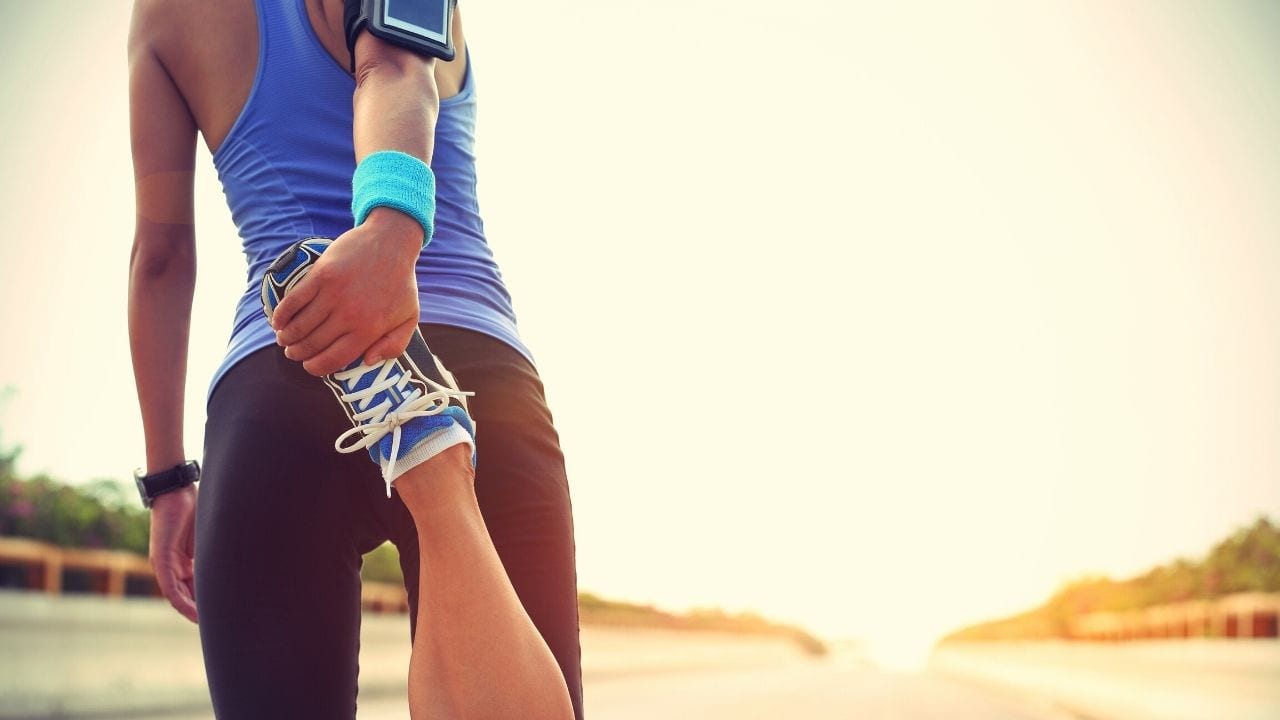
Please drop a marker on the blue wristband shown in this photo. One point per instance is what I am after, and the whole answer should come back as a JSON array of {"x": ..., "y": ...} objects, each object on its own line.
[{"x": 390, "y": 178}]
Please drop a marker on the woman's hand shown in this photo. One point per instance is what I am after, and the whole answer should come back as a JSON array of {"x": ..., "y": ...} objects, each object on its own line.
[
  {"x": 360, "y": 299},
  {"x": 173, "y": 548}
]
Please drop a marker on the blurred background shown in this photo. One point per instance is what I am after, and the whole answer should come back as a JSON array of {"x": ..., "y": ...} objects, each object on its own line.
[{"x": 969, "y": 311}]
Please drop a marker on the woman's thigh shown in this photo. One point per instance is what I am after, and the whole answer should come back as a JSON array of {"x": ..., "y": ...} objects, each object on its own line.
[{"x": 278, "y": 526}]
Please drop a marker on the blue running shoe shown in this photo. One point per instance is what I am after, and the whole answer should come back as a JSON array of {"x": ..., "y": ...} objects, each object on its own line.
[{"x": 405, "y": 410}]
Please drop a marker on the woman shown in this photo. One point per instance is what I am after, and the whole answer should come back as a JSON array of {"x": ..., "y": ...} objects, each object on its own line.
[{"x": 267, "y": 560}]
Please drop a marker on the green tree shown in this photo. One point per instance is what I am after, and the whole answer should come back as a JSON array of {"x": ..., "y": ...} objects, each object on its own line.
[{"x": 1248, "y": 561}]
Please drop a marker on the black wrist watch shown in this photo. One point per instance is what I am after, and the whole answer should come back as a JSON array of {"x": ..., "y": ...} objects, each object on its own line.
[{"x": 158, "y": 483}]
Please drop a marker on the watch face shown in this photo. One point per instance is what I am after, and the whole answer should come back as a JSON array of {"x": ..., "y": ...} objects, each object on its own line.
[{"x": 142, "y": 491}]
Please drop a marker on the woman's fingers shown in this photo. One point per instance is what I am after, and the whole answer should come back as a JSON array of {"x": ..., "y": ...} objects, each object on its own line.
[
  {"x": 392, "y": 344},
  {"x": 337, "y": 353},
  {"x": 173, "y": 548},
  {"x": 316, "y": 341},
  {"x": 336, "y": 356},
  {"x": 299, "y": 296},
  {"x": 304, "y": 323},
  {"x": 187, "y": 581},
  {"x": 176, "y": 579}
]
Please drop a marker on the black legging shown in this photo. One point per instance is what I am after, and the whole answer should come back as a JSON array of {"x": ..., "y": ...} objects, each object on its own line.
[{"x": 283, "y": 520}]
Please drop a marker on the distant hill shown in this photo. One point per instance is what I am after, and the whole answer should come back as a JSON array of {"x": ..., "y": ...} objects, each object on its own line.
[
  {"x": 1247, "y": 561},
  {"x": 598, "y": 611},
  {"x": 383, "y": 565}
]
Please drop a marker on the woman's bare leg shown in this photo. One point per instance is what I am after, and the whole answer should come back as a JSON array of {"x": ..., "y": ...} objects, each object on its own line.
[{"x": 476, "y": 654}]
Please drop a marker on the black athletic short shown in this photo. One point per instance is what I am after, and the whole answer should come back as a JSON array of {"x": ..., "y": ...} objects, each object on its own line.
[{"x": 283, "y": 520}]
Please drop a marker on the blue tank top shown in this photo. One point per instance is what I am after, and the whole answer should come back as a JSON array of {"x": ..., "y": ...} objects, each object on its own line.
[{"x": 286, "y": 168}]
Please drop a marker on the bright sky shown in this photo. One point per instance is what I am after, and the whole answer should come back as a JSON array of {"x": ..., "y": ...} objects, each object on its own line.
[{"x": 936, "y": 306}]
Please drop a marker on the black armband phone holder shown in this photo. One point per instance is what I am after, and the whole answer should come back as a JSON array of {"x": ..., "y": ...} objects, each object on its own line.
[{"x": 422, "y": 26}]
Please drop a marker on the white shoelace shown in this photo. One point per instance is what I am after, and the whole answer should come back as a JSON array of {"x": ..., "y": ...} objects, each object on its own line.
[{"x": 382, "y": 419}]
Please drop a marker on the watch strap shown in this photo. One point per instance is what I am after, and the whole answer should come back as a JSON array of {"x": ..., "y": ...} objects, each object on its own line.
[{"x": 158, "y": 483}]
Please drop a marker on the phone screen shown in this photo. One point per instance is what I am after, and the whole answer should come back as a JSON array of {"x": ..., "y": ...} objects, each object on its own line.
[{"x": 427, "y": 18}]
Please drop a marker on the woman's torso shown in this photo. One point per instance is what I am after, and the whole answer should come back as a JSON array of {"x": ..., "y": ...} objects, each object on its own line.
[{"x": 268, "y": 87}]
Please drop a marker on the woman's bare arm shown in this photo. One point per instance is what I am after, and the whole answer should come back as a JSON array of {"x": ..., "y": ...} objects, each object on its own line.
[{"x": 162, "y": 273}]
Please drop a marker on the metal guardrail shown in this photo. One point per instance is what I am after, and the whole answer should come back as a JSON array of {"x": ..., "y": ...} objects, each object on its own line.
[{"x": 43, "y": 566}]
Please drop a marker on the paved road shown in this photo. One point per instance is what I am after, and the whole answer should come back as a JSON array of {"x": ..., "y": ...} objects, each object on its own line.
[
  {"x": 1146, "y": 680},
  {"x": 801, "y": 690},
  {"x": 811, "y": 692}
]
